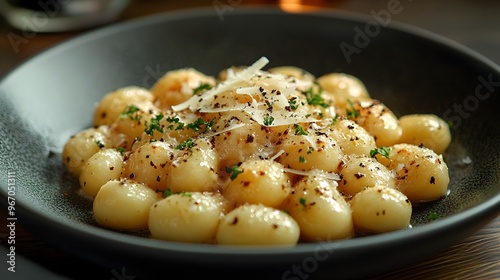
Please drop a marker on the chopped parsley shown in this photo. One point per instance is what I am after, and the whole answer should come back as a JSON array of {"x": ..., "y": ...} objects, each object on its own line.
[
  {"x": 302, "y": 202},
  {"x": 432, "y": 216},
  {"x": 299, "y": 130},
  {"x": 187, "y": 194},
  {"x": 155, "y": 125},
  {"x": 175, "y": 120},
  {"x": 186, "y": 144},
  {"x": 131, "y": 112},
  {"x": 351, "y": 113},
  {"x": 269, "y": 105},
  {"x": 292, "y": 104},
  {"x": 268, "y": 120},
  {"x": 201, "y": 88},
  {"x": 234, "y": 171},
  {"x": 383, "y": 151},
  {"x": 196, "y": 125},
  {"x": 121, "y": 150},
  {"x": 313, "y": 96},
  {"x": 310, "y": 150},
  {"x": 335, "y": 119},
  {"x": 99, "y": 144},
  {"x": 302, "y": 159},
  {"x": 167, "y": 193},
  {"x": 210, "y": 124}
]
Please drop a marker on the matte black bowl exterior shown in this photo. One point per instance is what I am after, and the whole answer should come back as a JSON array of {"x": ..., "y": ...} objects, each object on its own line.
[{"x": 51, "y": 96}]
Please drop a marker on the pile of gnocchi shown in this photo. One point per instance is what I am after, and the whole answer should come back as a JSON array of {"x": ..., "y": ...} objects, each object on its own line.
[{"x": 256, "y": 157}]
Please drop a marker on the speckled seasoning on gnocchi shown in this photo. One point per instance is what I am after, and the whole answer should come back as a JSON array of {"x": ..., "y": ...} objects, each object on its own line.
[{"x": 256, "y": 157}]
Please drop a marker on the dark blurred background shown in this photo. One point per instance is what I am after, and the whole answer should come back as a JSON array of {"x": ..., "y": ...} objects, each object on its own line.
[{"x": 29, "y": 26}]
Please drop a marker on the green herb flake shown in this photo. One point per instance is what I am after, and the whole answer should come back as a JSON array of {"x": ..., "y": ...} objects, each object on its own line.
[
  {"x": 234, "y": 171},
  {"x": 302, "y": 202},
  {"x": 175, "y": 120},
  {"x": 302, "y": 159},
  {"x": 299, "y": 130},
  {"x": 351, "y": 113},
  {"x": 131, "y": 112},
  {"x": 196, "y": 125},
  {"x": 210, "y": 124},
  {"x": 292, "y": 104},
  {"x": 383, "y": 151},
  {"x": 334, "y": 120},
  {"x": 99, "y": 144},
  {"x": 187, "y": 194},
  {"x": 198, "y": 90},
  {"x": 313, "y": 96},
  {"x": 189, "y": 143},
  {"x": 121, "y": 150},
  {"x": 155, "y": 125},
  {"x": 432, "y": 216},
  {"x": 167, "y": 193},
  {"x": 268, "y": 120}
]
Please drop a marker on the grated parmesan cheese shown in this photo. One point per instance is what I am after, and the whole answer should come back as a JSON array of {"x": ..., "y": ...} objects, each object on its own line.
[
  {"x": 314, "y": 173},
  {"x": 270, "y": 96}
]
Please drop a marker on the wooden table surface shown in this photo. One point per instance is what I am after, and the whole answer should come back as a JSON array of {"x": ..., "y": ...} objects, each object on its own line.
[{"x": 470, "y": 23}]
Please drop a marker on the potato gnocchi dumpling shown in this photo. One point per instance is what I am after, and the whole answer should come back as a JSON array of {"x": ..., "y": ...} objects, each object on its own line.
[
  {"x": 258, "y": 225},
  {"x": 255, "y": 157},
  {"x": 187, "y": 217},
  {"x": 380, "y": 209},
  {"x": 83, "y": 145},
  {"x": 377, "y": 119},
  {"x": 359, "y": 173},
  {"x": 178, "y": 85},
  {"x": 260, "y": 182},
  {"x": 293, "y": 71},
  {"x": 352, "y": 138},
  {"x": 320, "y": 210},
  {"x": 421, "y": 174},
  {"x": 344, "y": 88},
  {"x": 308, "y": 152},
  {"x": 425, "y": 129},
  {"x": 103, "y": 166},
  {"x": 201, "y": 157},
  {"x": 149, "y": 164},
  {"x": 124, "y": 204},
  {"x": 112, "y": 105}
]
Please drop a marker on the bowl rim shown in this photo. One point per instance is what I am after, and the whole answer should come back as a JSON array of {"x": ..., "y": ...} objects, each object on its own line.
[{"x": 92, "y": 234}]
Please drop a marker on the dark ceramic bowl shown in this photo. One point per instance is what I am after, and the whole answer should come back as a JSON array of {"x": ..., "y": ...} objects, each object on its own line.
[{"x": 51, "y": 96}]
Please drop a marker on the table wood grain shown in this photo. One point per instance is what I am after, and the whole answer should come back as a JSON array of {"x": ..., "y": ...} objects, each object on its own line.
[{"x": 476, "y": 26}]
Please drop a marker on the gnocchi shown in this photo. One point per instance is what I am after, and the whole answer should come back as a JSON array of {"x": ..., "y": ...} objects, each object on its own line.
[
  {"x": 187, "y": 217},
  {"x": 256, "y": 158},
  {"x": 259, "y": 225},
  {"x": 124, "y": 204},
  {"x": 380, "y": 209}
]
